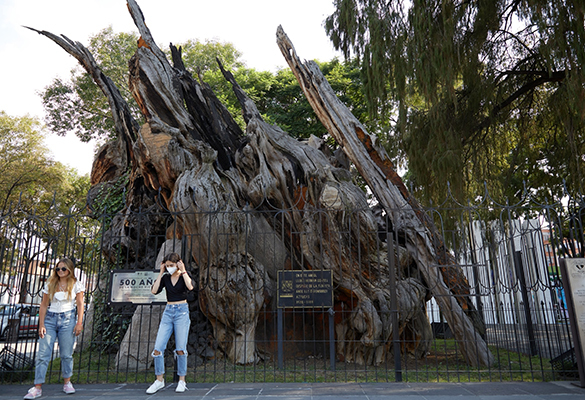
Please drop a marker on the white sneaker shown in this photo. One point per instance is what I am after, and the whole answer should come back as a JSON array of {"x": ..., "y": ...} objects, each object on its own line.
[
  {"x": 68, "y": 388},
  {"x": 181, "y": 387},
  {"x": 155, "y": 387},
  {"x": 33, "y": 393}
]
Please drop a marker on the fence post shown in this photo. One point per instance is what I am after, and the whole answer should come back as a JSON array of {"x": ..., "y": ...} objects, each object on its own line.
[
  {"x": 175, "y": 369},
  {"x": 522, "y": 279},
  {"x": 280, "y": 330},
  {"x": 394, "y": 309},
  {"x": 12, "y": 330},
  {"x": 331, "y": 313}
]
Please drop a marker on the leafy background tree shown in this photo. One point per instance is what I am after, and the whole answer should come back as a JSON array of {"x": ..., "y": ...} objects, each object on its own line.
[
  {"x": 485, "y": 91},
  {"x": 29, "y": 177}
]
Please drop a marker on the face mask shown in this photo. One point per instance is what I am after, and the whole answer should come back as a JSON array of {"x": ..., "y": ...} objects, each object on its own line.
[{"x": 171, "y": 270}]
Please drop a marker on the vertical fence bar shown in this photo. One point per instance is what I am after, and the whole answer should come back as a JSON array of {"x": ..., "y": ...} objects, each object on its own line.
[
  {"x": 331, "y": 339},
  {"x": 280, "y": 339},
  {"x": 394, "y": 309},
  {"x": 525, "y": 300}
]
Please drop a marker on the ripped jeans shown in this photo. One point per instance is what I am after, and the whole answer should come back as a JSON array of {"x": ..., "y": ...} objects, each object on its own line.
[
  {"x": 59, "y": 327},
  {"x": 175, "y": 318}
]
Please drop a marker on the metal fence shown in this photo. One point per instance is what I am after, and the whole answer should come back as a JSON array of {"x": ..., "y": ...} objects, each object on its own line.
[{"x": 509, "y": 254}]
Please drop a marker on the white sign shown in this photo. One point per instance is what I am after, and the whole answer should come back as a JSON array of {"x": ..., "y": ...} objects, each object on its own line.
[
  {"x": 134, "y": 287},
  {"x": 573, "y": 270}
]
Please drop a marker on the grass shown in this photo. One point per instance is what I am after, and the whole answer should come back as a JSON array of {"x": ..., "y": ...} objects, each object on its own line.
[{"x": 444, "y": 363}]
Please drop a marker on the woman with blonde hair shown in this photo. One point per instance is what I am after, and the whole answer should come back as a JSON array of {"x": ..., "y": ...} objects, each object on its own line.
[{"x": 60, "y": 318}]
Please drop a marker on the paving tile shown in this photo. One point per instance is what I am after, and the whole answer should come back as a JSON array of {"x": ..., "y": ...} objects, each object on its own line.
[
  {"x": 393, "y": 396},
  {"x": 507, "y": 397},
  {"x": 393, "y": 389},
  {"x": 540, "y": 388},
  {"x": 332, "y": 389},
  {"x": 560, "y": 396},
  {"x": 440, "y": 389},
  {"x": 504, "y": 388},
  {"x": 286, "y": 391}
]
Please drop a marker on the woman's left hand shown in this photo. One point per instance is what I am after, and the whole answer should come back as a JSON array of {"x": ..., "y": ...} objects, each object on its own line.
[
  {"x": 77, "y": 330},
  {"x": 181, "y": 266}
]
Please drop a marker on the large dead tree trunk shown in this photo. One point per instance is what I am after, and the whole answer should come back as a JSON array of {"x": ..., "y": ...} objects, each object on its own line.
[{"x": 223, "y": 186}]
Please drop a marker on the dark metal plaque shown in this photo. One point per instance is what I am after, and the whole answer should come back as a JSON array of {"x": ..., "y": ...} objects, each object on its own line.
[{"x": 305, "y": 289}]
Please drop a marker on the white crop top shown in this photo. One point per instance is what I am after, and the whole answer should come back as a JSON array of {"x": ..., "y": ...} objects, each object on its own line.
[{"x": 60, "y": 303}]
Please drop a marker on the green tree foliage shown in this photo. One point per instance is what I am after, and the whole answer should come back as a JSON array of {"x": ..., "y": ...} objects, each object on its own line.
[
  {"x": 201, "y": 57},
  {"x": 486, "y": 91},
  {"x": 28, "y": 176}
]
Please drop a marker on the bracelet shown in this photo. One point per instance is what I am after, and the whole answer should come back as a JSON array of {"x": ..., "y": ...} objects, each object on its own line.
[{"x": 183, "y": 273}]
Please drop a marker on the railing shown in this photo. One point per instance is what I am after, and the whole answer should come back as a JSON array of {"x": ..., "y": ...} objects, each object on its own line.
[{"x": 509, "y": 254}]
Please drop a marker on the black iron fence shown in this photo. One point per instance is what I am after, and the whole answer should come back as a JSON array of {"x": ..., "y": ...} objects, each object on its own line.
[{"x": 508, "y": 254}]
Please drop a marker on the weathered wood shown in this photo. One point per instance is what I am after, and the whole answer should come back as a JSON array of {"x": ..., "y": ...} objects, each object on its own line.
[
  {"x": 232, "y": 295},
  {"x": 371, "y": 160}
]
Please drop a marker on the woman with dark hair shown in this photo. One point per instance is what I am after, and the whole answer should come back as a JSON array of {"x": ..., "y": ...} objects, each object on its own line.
[
  {"x": 176, "y": 281},
  {"x": 60, "y": 318}
]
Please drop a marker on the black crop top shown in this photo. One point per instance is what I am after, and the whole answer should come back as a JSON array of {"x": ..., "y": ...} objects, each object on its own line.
[{"x": 176, "y": 292}]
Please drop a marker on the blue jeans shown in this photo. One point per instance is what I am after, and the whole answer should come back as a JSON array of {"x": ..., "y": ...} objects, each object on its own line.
[
  {"x": 59, "y": 326},
  {"x": 175, "y": 318}
]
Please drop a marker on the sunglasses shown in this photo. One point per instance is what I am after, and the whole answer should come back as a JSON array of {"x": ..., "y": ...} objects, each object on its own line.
[{"x": 62, "y": 269}]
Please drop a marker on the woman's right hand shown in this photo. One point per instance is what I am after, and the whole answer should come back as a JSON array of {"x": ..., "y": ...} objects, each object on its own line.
[
  {"x": 42, "y": 331},
  {"x": 162, "y": 268}
]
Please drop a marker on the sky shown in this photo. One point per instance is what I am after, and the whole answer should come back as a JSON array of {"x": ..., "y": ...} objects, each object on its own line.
[{"x": 29, "y": 62}]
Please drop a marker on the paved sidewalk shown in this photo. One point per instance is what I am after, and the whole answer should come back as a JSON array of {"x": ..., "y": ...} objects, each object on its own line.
[{"x": 318, "y": 391}]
